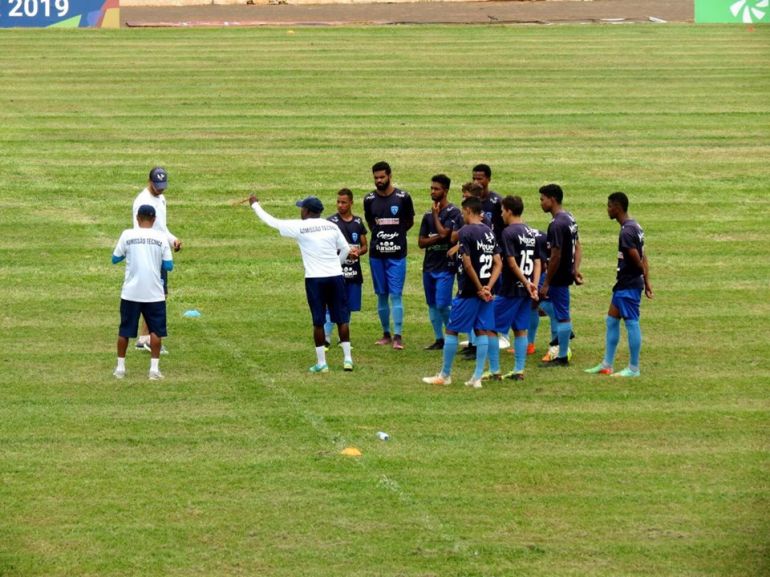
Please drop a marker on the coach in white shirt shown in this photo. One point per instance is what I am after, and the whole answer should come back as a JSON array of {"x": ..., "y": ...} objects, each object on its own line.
[
  {"x": 146, "y": 251},
  {"x": 153, "y": 196},
  {"x": 323, "y": 249}
]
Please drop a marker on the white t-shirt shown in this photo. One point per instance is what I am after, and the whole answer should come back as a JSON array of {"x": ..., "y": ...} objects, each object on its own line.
[
  {"x": 321, "y": 242},
  {"x": 145, "y": 249},
  {"x": 159, "y": 202}
]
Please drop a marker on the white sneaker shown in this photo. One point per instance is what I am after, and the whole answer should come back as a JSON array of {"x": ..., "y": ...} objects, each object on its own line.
[
  {"x": 438, "y": 379},
  {"x": 475, "y": 383},
  {"x": 155, "y": 375},
  {"x": 119, "y": 373}
]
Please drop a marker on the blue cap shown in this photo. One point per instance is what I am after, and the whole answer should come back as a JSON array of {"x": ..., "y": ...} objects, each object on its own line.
[
  {"x": 146, "y": 210},
  {"x": 159, "y": 178},
  {"x": 312, "y": 204}
]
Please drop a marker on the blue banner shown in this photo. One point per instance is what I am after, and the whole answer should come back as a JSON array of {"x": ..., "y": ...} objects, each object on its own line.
[{"x": 61, "y": 13}]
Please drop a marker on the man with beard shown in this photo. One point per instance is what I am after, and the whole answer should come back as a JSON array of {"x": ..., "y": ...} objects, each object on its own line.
[{"x": 389, "y": 212}]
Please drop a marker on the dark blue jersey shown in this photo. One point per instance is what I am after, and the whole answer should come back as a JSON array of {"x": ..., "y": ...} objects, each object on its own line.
[
  {"x": 563, "y": 234},
  {"x": 388, "y": 218},
  {"x": 435, "y": 255},
  {"x": 629, "y": 276},
  {"x": 352, "y": 230},
  {"x": 492, "y": 209},
  {"x": 518, "y": 243},
  {"x": 478, "y": 242},
  {"x": 541, "y": 251}
]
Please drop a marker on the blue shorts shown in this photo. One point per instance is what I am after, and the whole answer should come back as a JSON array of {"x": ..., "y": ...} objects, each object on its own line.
[
  {"x": 154, "y": 315},
  {"x": 512, "y": 313},
  {"x": 388, "y": 275},
  {"x": 327, "y": 292},
  {"x": 354, "y": 296},
  {"x": 469, "y": 313},
  {"x": 627, "y": 301},
  {"x": 559, "y": 297},
  {"x": 438, "y": 288}
]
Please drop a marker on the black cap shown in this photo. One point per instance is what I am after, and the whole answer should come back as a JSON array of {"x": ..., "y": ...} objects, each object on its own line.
[
  {"x": 312, "y": 204},
  {"x": 146, "y": 210},
  {"x": 159, "y": 177}
]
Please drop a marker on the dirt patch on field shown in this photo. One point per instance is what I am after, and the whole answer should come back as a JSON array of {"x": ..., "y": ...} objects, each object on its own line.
[{"x": 518, "y": 11}]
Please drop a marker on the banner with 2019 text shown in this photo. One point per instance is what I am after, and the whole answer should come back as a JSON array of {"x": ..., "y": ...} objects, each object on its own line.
[{"x": 59, "y": 13}]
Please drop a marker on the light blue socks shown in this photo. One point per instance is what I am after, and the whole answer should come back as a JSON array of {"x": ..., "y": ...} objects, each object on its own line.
[
  {"x": 494, "y": 354},
  {"x": 564, "y": 330},
  {"x": 611, "y": 341},
  {"x": 482, "y": 348},
  {"x": 436, "y": 322},
  {"x": 634, "y": 343},
  {"x": 450, "y": 350},
  {"x": 520, "y": 353},
  {"x": 398, "y": 313},
  {"x": 383, "y": 309}
]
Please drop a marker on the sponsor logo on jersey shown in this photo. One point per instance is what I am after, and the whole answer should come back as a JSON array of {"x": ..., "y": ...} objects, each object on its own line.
[{"x": 388, "y": 221}]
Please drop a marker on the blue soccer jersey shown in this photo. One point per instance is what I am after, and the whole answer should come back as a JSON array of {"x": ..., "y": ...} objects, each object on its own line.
[
  {"x": 435, "y": 255},
  {"x": 478, "y": 242},
  {"x": 492, "y": 209},
  {"x": 353, "y": 230},
  {"x": 563, "y": 234},
  {"x": 629, "y": 275},
  {"x": 389, "y": 218},
  {"x": 517, "y": 242}
]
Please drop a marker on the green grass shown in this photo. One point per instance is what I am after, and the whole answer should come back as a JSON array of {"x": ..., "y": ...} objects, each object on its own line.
[{"x": 230, "y": 466}]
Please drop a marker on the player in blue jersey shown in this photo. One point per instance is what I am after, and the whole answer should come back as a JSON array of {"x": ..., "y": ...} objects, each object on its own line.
[
  {"x": 540, "y": 308},
  {"x": 472, "y": 308},
  {"x": 563, "y": 269},
  {"x": 389, "y": 212},
  {"x": 354, "y": 231},
  {"x": 491, "y": 202},
  {"x": 437, "y": 270},
  {"x": 518, "y": 290},
  {"x": 633, "y": 277}
]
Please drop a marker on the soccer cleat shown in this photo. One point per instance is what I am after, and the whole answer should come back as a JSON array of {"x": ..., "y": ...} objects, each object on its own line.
[
  {"x": 155, "y": 375},
  {"x": 627, "y": 373},
  {"x": 438, "y": 379},
  {"x": 324, "y": 368},
  {"x": 599, "y": 369},
  {"x": 142, "y": 346},
  {"x": 553, "y": 352},
  {"x": 531, "y": 349},
  {"x": 397, "y": 344},
  {"x": 163, "y": 350},
  {"x": 489, "y": 376},
  {"x": 514, "y": 376},
  {"x": 474, "y": 383},
  {"x": 119, "y": 373},
  {"x": 469, "y": 353},
  {"x": 327, "y": 344},
  {"x": 556, "y": 362},
  {"x": 385, "y": 340},
  {"x": 347, "y": 365},
  {"x": 438, "y": 345}
]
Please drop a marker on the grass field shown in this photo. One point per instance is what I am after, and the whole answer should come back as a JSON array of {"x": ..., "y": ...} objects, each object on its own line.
[{"x": 231, "y": 466}]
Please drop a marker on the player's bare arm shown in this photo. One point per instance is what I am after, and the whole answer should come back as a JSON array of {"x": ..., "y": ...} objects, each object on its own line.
[{"x": 578, "y": 260}]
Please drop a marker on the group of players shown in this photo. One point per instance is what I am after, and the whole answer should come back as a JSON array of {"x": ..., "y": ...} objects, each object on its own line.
[{"x": 508, "y": 274}]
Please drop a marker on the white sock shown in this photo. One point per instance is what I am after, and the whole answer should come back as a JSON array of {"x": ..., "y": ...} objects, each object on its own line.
[
  {"x": 320, "y": 354},
  {"x": 155, "y": 364},
  {"x": 121, "y": 364},
  {"x": 346, "y": 350}
]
